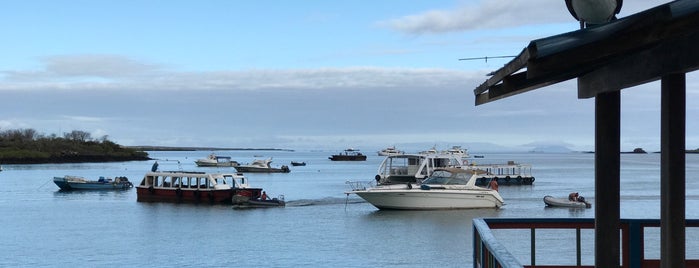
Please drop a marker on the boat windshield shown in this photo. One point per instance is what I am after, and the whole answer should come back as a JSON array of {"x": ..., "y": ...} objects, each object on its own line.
[{"x": 448, "y": 178}]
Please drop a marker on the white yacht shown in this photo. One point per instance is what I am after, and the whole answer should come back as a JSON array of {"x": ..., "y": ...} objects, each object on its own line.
[
  {"x": 390, "y": 151},
  {"x": 445, "y": 188},
  {"x": 457, "y": 150},
  {"x": 214, "y": 160},
  {"x": 262, "y": 166}
]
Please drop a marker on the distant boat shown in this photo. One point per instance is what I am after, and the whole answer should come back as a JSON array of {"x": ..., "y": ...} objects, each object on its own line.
[
  {"x": 262, "y": 166},
  {"x": 478, "y": 156},
  {"x": 294, "y": 163},
  {"x": 348, "y": 155},
  {"x": 457, "y": 150},
  {"x": 79, "y": 183},
  {"x": 390, "y": 151},
  {"x": 216, "y": 161}
]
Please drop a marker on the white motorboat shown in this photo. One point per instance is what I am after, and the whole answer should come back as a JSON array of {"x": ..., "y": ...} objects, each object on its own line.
[
  {"x": 262, "y": 166},
  {"x": 447, "y": 188},
  {"x": 390, "y": 151},
  {"x": 216, "y": 161},
  {"x": 413, "y": 167},
  {"x": 551, "y": 201},
  {"x": 458, "y": 151}
]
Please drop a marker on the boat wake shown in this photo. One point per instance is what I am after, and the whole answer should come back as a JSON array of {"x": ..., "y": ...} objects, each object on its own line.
[{"x": 322, "y": 202}]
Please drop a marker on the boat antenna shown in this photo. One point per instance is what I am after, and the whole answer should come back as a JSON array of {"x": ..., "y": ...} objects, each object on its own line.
[{"x": 486, "y": 58}]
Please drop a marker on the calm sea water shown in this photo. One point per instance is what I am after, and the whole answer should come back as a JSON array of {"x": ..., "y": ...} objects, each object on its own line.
[{"x": 42, "y": 226}]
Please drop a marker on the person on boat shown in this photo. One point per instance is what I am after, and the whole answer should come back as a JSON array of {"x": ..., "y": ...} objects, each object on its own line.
[
  {"x": 573, "y": 196},
  {"x": 494, "y": 184},
  {"x": 264, "y": 196}
]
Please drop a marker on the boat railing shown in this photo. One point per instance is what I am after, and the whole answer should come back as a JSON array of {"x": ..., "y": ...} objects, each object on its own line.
[
  {"x": 360, "y": 185},
  {"x": 635, "y": 235}
]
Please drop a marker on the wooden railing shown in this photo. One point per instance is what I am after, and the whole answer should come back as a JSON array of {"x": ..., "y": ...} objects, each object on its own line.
[{"x": 489, "y": 252}]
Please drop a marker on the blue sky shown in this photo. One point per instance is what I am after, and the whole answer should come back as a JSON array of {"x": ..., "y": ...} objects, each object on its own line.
[{"x": 297, "y": 74}]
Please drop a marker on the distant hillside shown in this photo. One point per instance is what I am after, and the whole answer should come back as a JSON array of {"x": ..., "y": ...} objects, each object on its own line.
[{"x": 27, "y": 146}]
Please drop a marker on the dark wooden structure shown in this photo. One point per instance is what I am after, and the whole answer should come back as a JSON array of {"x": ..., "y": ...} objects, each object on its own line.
[{"x": 661, "y": 43}]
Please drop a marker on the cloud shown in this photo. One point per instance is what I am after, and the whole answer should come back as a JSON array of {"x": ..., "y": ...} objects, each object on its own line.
[
  {"x": 82, "y": 118},
  {"x": 480, "y": 15},
  {"x": 494, "y": 14},
  {"x": 90, "y": 72},
  {"x": 86, "y": 67}
]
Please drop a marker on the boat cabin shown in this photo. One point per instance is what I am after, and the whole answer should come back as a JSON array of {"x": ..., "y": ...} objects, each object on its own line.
[
  {"x": 194, "y": 187},
  {"x": 412, "y": 167},
  {"x": 193, "y": 180}
]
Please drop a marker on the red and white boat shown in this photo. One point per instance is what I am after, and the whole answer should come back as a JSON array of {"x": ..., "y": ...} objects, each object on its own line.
[{"x": 196, "y": 187}]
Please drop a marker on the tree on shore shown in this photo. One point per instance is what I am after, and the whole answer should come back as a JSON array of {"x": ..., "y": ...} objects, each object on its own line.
[{"x": 30, "y": 146}]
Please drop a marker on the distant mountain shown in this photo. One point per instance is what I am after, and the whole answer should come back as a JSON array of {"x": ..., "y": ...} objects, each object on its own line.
[{"x": 551, "y": 149}]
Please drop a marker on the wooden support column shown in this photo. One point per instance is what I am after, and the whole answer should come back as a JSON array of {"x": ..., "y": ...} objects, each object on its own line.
[
  {"x": 607, "y": 185},
  {"x": 672, "y": 171}
]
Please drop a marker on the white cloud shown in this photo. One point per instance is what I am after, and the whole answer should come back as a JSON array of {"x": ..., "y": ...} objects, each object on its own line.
[
  {"x": 85, "y": 72},
  {"x": 493, "y": 14},
  {"x": 86, "y": 68},
  {"x": 82, "y": 118}
]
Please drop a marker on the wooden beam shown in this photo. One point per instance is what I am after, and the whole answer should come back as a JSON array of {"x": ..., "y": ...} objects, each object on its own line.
[
  {"x": 672, "y": 170},
  {"x": 511, "y": 67},
  {"x": 671, "y": 56},
  {"x": 513, "y": 85},
  {"x": 607, "y": 183}
]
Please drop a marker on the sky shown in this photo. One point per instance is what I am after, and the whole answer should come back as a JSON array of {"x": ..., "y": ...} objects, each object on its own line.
[{"x": 300, "y": 74}]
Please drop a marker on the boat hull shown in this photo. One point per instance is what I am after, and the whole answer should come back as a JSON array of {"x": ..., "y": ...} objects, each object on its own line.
[
  {"x": 184, "y": 195},
  {"x": 418, "y": 199},
  {"x": 220, "y": 164},
  {"x": 551, "y": 201},
  {"x": 507, "y": 180},
  {"x": 256, "y": 203},
  {"x": 245, "y": 169},
  {"x": 348, "y": 158},
  {"x": 68, "y": 185}
]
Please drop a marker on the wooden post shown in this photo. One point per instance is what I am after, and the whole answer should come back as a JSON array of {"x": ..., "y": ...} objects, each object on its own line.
[
  {"x": 607, "y": 185},
  {"x": 672, "y": 171}
]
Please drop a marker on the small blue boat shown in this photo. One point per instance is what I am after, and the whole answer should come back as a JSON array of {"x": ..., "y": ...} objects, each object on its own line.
[{"x": 79, "y": 183}]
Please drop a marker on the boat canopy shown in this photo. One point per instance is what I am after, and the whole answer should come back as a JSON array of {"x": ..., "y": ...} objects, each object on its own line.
[{"x": 451, "y": 176}]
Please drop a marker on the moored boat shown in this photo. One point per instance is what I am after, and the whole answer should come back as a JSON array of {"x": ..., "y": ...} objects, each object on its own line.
[
  {"x": 510, "y": 173},
  {"x": 216, "y": 161},
  {"x": 195, "y": 187},
  {"x": 348, "y": 155},
  {"x": 80, "y": 183},
  {"x": 448, "y": 188},
  {"x": 458, "y": 151},
  {"x": 296, "y": 164},
  {"x": 262, "y": 166},
  {"x": 551, "y": 201},
  {"x": 262, "y": 203},
  {"x": 389, "y": 151}
]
